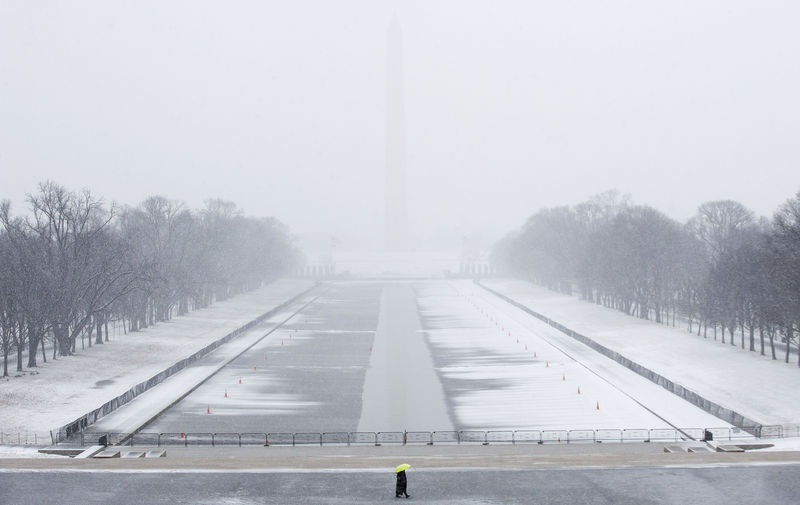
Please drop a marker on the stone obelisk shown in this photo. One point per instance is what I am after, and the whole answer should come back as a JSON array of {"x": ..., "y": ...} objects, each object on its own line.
[{"x": 396, "y": 211}]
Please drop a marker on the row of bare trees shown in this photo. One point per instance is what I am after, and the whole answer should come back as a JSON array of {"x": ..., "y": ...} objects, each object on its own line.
[
  {"x": 724, "y": 273},
  {"x": 72, "y": 264}
]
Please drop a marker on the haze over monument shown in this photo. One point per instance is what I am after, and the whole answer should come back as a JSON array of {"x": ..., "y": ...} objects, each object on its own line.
[{"x": 395, "y": 191}]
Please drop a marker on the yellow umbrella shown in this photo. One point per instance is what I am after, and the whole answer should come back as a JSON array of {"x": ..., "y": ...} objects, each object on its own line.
[{"x": 402, "y": 467}]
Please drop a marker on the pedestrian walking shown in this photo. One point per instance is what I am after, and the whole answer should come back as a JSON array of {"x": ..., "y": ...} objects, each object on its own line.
[{"x": 402, "y": 481}]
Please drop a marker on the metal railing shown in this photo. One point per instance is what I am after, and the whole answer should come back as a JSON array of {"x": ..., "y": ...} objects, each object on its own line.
[
  {"x": 21, "y": 438},
  {"x": 485, "y": 437}
]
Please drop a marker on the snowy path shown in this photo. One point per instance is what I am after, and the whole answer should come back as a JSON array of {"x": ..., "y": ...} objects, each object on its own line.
[
  {"x": 503, "y": 369},
  {"x": 755, "y": 386},
  {"x": 401, "y": 390}
]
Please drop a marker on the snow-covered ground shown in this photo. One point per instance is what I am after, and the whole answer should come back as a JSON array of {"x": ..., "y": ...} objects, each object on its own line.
[
  {"x": 57, "y": 392},
  {"x": 754, "y": 386},
  {"x": 503, "y": 369}
]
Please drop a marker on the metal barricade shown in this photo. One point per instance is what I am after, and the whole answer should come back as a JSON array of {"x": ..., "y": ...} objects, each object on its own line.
[
  {"x": 554, "y": 436},
  {"x": 146, "y": 439},
  {"x": 199, "y": 439},
  {"x": 224, "y": 439},
  {"x": 720, "y": 433},
  {"x": 663, "y": 435},
  {"x": 336, "y": 438},
  {"x": 740, "y": 434},
  {"x": 635, "y": 435},
  {"x": 419, "y": 437},
  {"x": 445, "y": 437},
  {"x": 472, "y": 437},
  {"x": 527, "y": 436},
  {"x": 500, "y": 437},
  {"x": 389, "y": 437},
  {"x": 691, "y": 433},
  {"x": 280, "y": 438},
  {"x": 308, "y": 439},
  {"x": 771, "y": 431},
  {"x": 363, "y": 437},
  {"x": 607, "y": 435},
  {"x": 580, "y": 436},
  {"x": 171, "y": 439},
  {"x": 254, "y": 439}
]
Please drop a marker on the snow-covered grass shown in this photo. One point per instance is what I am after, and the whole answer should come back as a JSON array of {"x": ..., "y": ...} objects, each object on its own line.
[
  {"x": 57, "y": 392},
  {"x": 504, "y": 369},
  {"x": 754, "y": 386},
  {"x": 24, "y": 452}
]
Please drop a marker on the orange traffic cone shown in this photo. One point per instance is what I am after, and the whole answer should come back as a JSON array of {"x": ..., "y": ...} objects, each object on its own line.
[
  {"x": 597, "y": 407},
  {"x": 534, "y": 354},
  {"x": 579, "y": 390},
  {"x": 240, "y": 380},
  {"x": 563, "y": 377},
  {"x": 254, "y": 367},
  {"x": 208, "y": 409},
  {"x": 547, "y": 365},
  {"x": 226, "y": 393},
  {"x": 526, "y": 347}
]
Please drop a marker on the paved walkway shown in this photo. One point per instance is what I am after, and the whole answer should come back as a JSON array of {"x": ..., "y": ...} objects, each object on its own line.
[{"x": 421, "y": 457}]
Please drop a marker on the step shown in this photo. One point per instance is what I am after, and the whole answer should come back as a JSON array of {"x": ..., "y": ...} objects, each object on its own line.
[
  {"x": 108, "y": 453},
  {"x": 90, "y": 451}
]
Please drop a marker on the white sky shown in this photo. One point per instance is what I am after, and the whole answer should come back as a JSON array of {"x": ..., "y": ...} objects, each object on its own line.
[{"x": 511, "y": 106}]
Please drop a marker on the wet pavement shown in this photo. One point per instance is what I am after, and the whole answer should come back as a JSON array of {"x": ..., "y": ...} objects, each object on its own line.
[{"x": 750, "y": 485}]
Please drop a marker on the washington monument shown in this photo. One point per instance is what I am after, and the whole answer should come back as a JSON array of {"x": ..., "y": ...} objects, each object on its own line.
[{"x": 396, "y": 210}]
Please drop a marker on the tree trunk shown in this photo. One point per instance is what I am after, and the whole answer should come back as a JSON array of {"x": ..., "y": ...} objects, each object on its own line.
[
  {"x": 89, "y": 333},
  {"x": 99, "y": 337},
  {"x": 19, "y": 343},
  {"x": 741, "y": 329},
  {"x": 752, "y": 338},
  {"x": 788, "y": 341},
  {"x": 105, "y": 322},
  {"x": 19, "y": 358},
  {"x": 33, "y": 343},
  {"x": 761, "y": 338},
  {"x": 772, "y": 342},
  {"x": 62, "y": 339}
]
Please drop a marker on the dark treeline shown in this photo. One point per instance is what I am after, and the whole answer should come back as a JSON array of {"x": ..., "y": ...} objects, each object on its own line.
[
  {"x": 724, "y": 273},
  {"x": 73, "y": 264}
]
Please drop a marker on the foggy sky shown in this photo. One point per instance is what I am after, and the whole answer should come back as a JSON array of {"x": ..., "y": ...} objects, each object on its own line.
[{"x": 510, "y": 106}]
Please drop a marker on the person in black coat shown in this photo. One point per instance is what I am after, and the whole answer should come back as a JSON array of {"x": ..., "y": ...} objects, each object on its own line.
[{"x": 402, "y": 482}]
